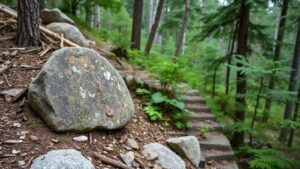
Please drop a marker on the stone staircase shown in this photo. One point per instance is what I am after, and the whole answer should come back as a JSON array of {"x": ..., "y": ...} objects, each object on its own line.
[{"x": 216, "y": 149}]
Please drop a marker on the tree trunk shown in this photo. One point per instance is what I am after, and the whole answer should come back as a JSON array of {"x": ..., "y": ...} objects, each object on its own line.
[
  {"x": 150, "y": 16},
  {"x": 292, "y": 85},
  {"x": 229, "y": 59},
  {"x": 255, "y": 108},
  {"x": 88, "y": 13},
  {"x": 97, "y": 17},
  {"x": 154, "y": 27},
  {"x": 277, "y": 51},
  {"x": 28, "y": 32},
  {"x": 183, "y": 28},
  {"x": 74, "y": 5},
  {"x": 137, "y": 25},
  {"x": 241, "y": 84},
  {"x": 213, "y": 92},
  {"x": 292, "y": 131}
]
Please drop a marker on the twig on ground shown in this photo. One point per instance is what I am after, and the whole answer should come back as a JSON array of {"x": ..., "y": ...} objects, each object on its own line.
[
  {"x": 46, "y": 51},
  {"x": 111, "y": 161},
  {"x": 90, "y": 138},
  {"x": 7, "y": 80},
  {"x": 29, "y": 162},
  {"x": 61, "y": 45}
]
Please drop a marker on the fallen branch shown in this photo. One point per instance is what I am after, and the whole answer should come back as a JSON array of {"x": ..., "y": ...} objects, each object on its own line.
[
  {"x": 46, "y": 51},
  {"x": 29, "y": 162},
  {"x": 7, "y": 80},
  {"x": 111, "y": 161},
  {"x": 6, "y": 38},
  {"x": 61, "y": 45}
]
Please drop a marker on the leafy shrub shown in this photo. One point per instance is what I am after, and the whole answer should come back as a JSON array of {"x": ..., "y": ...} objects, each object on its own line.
[{"x": 268, "y": 159}]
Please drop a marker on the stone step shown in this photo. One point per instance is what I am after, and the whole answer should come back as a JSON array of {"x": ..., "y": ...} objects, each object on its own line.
[
  {"x": 202, "y": 117},
  {"x": 197, "y": 108},
  {"x": 194, "y": 99},
  {"x": 218, "y": 155},
  {"x": 221, "y": 165},
  {"x": 215, "y": 141},
  {"x": 213, "y": 126},
  {"x": 192, "y": 92}
]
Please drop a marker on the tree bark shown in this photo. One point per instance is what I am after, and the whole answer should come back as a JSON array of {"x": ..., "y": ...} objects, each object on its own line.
[
  {"x": 154, "y": 27},
  {"x": 137, "y": 25},
  {"x": 42, "y": 5},
  {"x": 255, "y": 108},
  {"x": 28, "y": 32},
  {"x": 150, "y": 16},
  {"x": 97, "y": 17},
  {"x": 292, "y": 131},
  {"x": 241, "y": 84},
  {"x": 292, "y": 85},
  {"x": 183, "y": 28},
  {"x": 277, "y": 51},
  {"x": 229, "y": 59},
  {"x": 88, "y": 12}
]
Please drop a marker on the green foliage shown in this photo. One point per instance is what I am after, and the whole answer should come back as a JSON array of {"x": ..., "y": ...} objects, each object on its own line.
[
  {"x": 181, "y": 120},
  {"x": 33, "y": 122},
  {"x": 269, "y": 159},
  {"x": 204, "y": 131},
  {"x": 290, "y": 124},
  {"x": 153, "y": 112},
  {"x": 142, "y": 91}
]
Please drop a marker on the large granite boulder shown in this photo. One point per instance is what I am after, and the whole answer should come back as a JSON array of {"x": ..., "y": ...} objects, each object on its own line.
[
  {"x": 58, "y": 159},
  {"x": 79, "y": 90},
  {"x": 70, "y": 32},
  {"x": 54, "y": 15},
  {"x": 164, "y": 156},
  {"x": 187, "y": 146}
]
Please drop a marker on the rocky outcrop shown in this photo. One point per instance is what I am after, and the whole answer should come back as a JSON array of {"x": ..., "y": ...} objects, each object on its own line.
[
  {"x": 57, "y": 159},
  {"x": 79, "y": 90},
  {"x": 70, "y": 32},
  {"x": 54, "y": 15},
  {"x": 188, "y": 147},
  {"x": 163, "y": 156}
]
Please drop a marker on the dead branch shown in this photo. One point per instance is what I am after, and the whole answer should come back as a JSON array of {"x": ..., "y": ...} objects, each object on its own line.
[
  {"x": 111, "y": 161},
  {"x": 46, "y": 51},
  {"x": 61, "y": 45},
  {"x": 7, "y": 80},
  {"x": 6, "y": 38}
]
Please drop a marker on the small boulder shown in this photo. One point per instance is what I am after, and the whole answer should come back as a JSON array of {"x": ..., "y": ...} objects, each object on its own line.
[
  {"x": 132, "y": 143},
  {"x": 65, "y": 158},
  {"x": 166, "y": 158},
  {"x": 54, "y": 15},
  {"x": 128, "y": 158},
  {"x": 77, "y": 89},
  {"x": 81, "y": 139},
  {"x": 70, "y": 32},
  {"x": 188, "y": 147}
]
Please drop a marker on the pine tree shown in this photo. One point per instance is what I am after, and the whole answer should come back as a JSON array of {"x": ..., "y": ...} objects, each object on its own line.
[
  {"x": 276, "y": 57},
  {"x": 154, "y": 27},
  {"x": 292, "y": 85},
  {"x": 28, "y": 32},
  {"x": 137, "y": 25}
]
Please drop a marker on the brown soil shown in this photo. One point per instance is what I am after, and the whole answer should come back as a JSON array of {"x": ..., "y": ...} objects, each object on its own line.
[{"x": 109, "y": 143}]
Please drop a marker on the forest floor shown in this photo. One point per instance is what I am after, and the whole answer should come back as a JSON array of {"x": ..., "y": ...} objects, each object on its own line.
[
  {"x": 20, "y": 124},
  {"x": 23, "y": 136}
]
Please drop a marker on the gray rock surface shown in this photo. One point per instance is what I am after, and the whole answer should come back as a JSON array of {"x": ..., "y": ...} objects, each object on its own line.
[
  {"x": 79, "y": 90},
  {"x": 128, "y": 158},
  {"x": 62, "y": 159},
  {"x": 54, "y": 15},
  {"x": 166, "y": 158},
  {"x": 187, "y": 146},
  {"x": 70, "y": 32}
]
